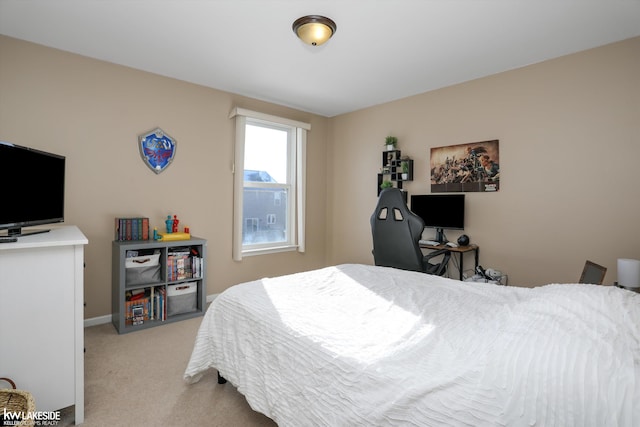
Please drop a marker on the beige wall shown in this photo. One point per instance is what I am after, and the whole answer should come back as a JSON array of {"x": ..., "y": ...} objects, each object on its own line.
[
  {"x": 569, "y": 132},
  {"x": 92, "y": 112}
]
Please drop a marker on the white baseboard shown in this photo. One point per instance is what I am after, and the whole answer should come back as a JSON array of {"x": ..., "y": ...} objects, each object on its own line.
[
  {"x": 101, "y": 320},
  {"x": 94, "y": 321}
]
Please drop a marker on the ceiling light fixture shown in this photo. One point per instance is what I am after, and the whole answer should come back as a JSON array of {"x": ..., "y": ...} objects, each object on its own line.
[{"x": 314, "y": 29}]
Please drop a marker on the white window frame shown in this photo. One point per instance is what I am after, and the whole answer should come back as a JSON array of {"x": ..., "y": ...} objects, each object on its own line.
[{"x": 296, "y": 193}]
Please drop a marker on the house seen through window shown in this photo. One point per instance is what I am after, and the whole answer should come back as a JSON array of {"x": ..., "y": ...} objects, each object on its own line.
[{"x": 266, "y": 183}]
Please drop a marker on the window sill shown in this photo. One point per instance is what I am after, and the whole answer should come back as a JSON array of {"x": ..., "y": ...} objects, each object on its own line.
[{"x": 269, "y": 250}]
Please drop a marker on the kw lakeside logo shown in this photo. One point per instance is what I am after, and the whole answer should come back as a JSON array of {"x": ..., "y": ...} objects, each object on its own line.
[{"x": 39, "y": 418}]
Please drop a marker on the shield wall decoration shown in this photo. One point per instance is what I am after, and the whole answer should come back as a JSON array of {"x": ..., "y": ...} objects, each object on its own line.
[{"x": 157, "y": 149}]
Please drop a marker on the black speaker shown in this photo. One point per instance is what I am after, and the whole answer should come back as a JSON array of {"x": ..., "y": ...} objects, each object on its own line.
[{"x": 463, "y": 240}]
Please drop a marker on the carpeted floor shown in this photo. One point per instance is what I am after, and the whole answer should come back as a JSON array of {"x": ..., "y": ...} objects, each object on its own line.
[{"x": 136, "y": 379}]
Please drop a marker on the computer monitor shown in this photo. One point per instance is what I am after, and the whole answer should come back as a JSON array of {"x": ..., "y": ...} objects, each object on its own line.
[{"x": 440, "y": 211}]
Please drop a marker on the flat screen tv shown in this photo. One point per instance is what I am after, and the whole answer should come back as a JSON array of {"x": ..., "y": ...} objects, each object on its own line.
[
  {"x": 33, "y": 183},
  {"x": 440, "y": 211}
]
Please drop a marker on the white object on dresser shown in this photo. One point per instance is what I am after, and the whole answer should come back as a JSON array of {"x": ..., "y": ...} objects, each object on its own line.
[
  {"x": 42, "y": 315},
  {"x": 629, "y": 273}
]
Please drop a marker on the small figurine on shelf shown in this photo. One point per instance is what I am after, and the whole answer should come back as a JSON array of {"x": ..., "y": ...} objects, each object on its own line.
[
  {"x": 173, "y": 233},
  {"x": 155, "y": 233}
]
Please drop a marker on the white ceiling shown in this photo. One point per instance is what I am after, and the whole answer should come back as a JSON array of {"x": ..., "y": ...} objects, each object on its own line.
[{"x": 383, "y": 49}]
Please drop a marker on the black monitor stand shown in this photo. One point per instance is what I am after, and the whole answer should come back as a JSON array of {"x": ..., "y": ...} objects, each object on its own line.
[{"x": 440, "y": 237}]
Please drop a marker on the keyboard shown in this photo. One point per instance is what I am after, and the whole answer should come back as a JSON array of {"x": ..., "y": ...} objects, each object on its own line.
[{"x": 428, "y": 242}]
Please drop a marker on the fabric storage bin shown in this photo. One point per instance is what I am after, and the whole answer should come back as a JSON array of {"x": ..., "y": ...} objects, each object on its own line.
[
  {"x": 142, "y": 269},
  {"x": 182, "y": 298}
]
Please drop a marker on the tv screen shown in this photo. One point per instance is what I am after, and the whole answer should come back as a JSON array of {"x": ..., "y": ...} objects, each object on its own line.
[
  {"x": 33, "y": 183},
  {"x": 440, "y": 211}
]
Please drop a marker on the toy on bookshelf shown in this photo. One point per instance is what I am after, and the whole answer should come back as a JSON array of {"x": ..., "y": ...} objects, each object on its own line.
[
  {"x": 172, "y": 233},
  {"x": 164, "y": 237}
]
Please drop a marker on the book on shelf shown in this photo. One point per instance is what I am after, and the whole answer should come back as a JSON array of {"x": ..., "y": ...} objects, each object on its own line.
[
  {"x": 137, "y": 311},
  {"x": 145, "y": 304},
  {"x": 183, "y": 263},
  {"x": 132, "y": 228}
]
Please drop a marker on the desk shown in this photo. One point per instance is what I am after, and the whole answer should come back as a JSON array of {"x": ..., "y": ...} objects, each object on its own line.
[{"x": 460, "y": 250}]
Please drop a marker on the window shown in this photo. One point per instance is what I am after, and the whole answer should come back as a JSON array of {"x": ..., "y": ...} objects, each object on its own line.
[{"x": 269, "y": 181}]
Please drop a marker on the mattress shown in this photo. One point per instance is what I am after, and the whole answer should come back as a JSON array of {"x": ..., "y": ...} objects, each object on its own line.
[{"x": 353, "y": 345}]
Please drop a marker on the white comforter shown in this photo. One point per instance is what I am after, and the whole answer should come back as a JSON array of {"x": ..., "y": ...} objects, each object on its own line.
[{"x": 356, "y": 345}]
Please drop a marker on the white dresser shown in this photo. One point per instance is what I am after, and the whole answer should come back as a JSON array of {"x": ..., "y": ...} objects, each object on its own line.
[{"x": 42, "y": 317}]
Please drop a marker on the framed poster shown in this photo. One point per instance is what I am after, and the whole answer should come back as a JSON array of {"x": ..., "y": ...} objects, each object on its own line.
[{"x": 466, "y": 167}]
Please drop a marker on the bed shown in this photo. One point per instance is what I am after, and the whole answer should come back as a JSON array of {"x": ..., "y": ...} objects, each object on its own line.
[{"x": 359, "y": 345}]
